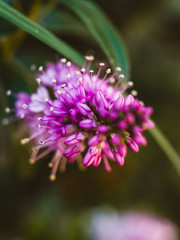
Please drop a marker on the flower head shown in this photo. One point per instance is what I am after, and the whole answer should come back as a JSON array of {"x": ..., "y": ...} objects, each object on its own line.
[{"x": 86, "y": 116}]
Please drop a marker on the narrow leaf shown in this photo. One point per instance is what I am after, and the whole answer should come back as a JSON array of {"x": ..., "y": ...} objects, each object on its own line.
[
  {"x": 39, "y": 32},
  {"x": 103, "y": 31},
  {"x": 64, "y": 22}
]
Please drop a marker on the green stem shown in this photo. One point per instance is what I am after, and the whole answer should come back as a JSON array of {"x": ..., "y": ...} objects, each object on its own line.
[{"x": 166, "y": 146}]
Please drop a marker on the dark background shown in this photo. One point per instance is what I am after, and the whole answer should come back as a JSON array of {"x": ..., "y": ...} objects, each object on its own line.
[{"x": 31, "y": 207}]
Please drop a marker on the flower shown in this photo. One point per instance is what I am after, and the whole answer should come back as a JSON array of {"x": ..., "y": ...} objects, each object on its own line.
[
  {"x": 84, "y": 116},
  {"x": 130, "y": 226}
]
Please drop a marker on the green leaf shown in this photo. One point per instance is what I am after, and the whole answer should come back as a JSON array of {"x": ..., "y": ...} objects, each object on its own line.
[
  {"x": 39, "y": 32},
  {"x": 103, "y": 31},
  {"x": 64, "y": 22}
]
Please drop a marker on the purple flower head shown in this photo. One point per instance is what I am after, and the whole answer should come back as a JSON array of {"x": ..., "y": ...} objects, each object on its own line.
[{"x": 85, "y": 116}]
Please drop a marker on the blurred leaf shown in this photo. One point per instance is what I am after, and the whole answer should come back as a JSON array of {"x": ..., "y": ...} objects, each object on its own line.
[
  {"x": 27, "y": 75},
  {"x": 64, "y": 22},
  {"x": 11, "y": 42},
  {"x": 39, "y": 32},
  {"x": 103, "y": 31},
  {"x": 46, "y": 8}
]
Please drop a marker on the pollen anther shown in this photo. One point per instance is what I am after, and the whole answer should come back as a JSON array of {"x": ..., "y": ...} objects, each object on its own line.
[
  {"x": 8, "y": 93},
  {"x": 25, "y": 106},
  {"x": 24, "y": 141}
]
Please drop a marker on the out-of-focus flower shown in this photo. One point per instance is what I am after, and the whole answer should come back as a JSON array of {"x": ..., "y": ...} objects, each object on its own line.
[
  {"x": 85, "y": 116},
  {"x": 130, "y": 226}
]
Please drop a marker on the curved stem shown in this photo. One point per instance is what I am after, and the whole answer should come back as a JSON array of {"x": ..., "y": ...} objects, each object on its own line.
[{"x": 166, "y": 147}]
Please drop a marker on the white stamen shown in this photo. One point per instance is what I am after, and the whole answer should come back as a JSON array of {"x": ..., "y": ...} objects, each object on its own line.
[
  {"x": 63, "y": 85},
  {"x": 101, "y": 64},
  {"x": 112, "y": 80},
  {"x": 52, "y": 177},
  {"x": 7, "y": 110},
  {"x": 25, "y": 106},
  {"x": 142, "y": 103},
  {"x": 39, "y": 118},
  {"x": 33, "y": 67},
  {"x": 77, "y": 72},
  {"x": 53, "y": 81},
  {"x": 31, "y": 161},
  {"x": 24, "y": 140},
  {"x": 5, "y": 121},
  {"x": 130, "y": 84},
  {"x": 46, "y": 100},
  {"x": 108, "y": 71},
  {"x": 89, "y": 58},
  {"x": 68, "y": 64},
  {"x": 38, "y": 80},
  {"x": 121, "y": 76},
  {"x": 63, "y": 60},
  {"x": 22, "y": 116},
  {"x": 68, "y": 75},
  {"x": 118, "y": 69},
  {"x": 51, "y": 109},
  {"x": 59, "y": 92},
  {"x": 83, "y": 70},
  {"x": 91, "y": 71},
  {"x": 50, "y": 165},
  {"x": 8, "y": 93},
  {"x": 80, "y": 80},
  {"x": 39, "y": 126},
  {"x": 134, "y": 92},
  {"x": 41, "y": 68},
  {"x": 41, "y": 142}
]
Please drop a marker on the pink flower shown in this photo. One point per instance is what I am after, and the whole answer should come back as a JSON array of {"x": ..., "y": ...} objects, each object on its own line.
[
  {"x": 84, "y": 113},
  {"x": 130, "y": 226}
]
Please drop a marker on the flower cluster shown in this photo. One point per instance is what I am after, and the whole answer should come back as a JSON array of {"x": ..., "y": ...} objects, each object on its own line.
[{"x": 82, "y": 116}]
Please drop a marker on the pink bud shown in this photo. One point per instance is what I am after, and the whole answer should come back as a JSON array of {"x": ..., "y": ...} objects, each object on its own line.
[
  {"x": 84, "y": 109},
  {"x": 129, "y": 100},
  {"x": 115, "y": 139},
  {"x": 97, "y": 161},
  {"x": 122, "y": 125},
  {"x": 103, "y": 129},
  {"x": 100, "y": 100},
  {"x": 117, "y": 105},
  {"x": 94, "y": 141},
  {"x": 90, "y": 156},
  {"x": 72, "y": 151},
  {"x": 88, "y": 123},
  {"x": 133, "y": 146},
  {"x": 148, "y": 124},
  {"x": 74, "y": 138},
  {"x": 140, "y": 139},
  {"x": 118, "y": 158},
  {"x": 130, "y": 118},
  {"x": 122, "y": 149}
]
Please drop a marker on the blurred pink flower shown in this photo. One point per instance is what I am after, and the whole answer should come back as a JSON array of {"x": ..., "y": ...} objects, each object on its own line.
[{"x": 131, "y": 226}]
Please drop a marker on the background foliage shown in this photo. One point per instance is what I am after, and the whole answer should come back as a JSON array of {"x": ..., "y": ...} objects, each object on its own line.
[{"x": 32, "y": 207}]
